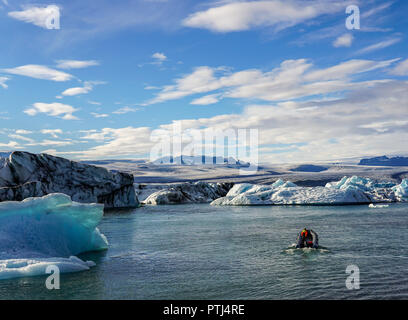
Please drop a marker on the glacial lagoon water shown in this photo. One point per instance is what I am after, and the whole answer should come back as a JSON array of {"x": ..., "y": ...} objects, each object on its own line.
[{"x": 210, "y": 252}]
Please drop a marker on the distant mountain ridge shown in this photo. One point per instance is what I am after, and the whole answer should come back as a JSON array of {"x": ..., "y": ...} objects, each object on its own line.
[
  {"x": 108, "y": 161},
  {"x": 385, "y": 161},
  {"x": 4, "y": 154},
  {"x": 200, "y": 160}
]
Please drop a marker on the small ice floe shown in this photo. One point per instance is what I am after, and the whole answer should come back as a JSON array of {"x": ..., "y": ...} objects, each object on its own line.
[
  {"x": 372, "y": 205},
  {"x": 293, "y": 250},
  {"x": 16, "y": 268}
]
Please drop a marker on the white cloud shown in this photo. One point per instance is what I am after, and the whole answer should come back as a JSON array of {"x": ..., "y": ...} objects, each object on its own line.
[
  {"x": 52, "y": 143},
  {"x": 401, "y": 69},
  {"x": 94, "y": 103},
  {"x": 53, "y": 109},
  {"x": 3, "y": 82},
  {"x": 53, "y": 132},
  {"x": 20, "y": 137},
  {"x": 96, "y": 135},
  {"x": 88, "y": 87},
  {"x": 384, "y": 126},
  {"x": 76, "y": 91},
  {"x": 206, "y": 100},
  {"x": 39, "y": 72},
  {"x": 125, "y": 110},
  {"x": 99, "y": 115},
  {"x": 86, "y": 20},
  {"x": 23, "y": 131},
  {"x": 378, "y": 46},
  {"x": 376, "y": 9},
  {"x": 201, "y": 80},
  {"x": 293, "y": 79},
  {"x": 343, "y": 41},
  {"x": 347, "y": 69},
  {"x": 239, "y": 16},
  {"x": 151, "y": 88},
  {"x": 11, "y": 145},
  {"x": 39, "y": 16},
  {"x": 52, "y": 152},
  {"x": 159, "y": 56},
  {"x": 120, "y": 142},
  {"x": 76, "y": 64}
]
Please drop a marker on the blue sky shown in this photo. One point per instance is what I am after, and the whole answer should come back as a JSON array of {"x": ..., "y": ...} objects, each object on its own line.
[{"x": 114, "y": 72}]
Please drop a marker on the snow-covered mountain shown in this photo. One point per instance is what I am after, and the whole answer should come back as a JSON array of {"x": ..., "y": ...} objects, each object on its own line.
[
  {"x": 385, "y": 161},
  {"x": 201, "y": 160}
]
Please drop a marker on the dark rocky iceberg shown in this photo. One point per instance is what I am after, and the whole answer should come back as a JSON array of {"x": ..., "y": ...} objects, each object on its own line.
[
  {"x": 24, "y": 175},
  {"x": 197, "y": 192}
]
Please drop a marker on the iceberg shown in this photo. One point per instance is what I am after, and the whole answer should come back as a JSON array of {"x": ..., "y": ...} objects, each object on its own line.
[
  {"x": 349, "y": 190},
  {"x": 25, "y": 175},
  {"x": 358, "y": 183},
  {"x": 197, "y": 192},
  {"x": 375, "y": 206},
  {"x": 401, "y": 191},
  {"x": 51, "y": 230}
]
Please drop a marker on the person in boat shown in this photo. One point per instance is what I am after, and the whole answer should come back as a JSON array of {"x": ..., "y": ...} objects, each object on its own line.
[{"x": 307, "y": 239}]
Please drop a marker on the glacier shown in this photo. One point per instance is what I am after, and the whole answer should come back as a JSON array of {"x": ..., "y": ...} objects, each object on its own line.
[
  {"x": 349, "y": 190},
  {"x": 49, "y": 230}
]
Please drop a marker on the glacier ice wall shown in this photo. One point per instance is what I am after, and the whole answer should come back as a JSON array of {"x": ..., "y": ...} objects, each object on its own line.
[{"x": 52, "y": 229}]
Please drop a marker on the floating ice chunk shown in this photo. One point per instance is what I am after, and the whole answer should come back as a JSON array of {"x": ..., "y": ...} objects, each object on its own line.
[
  {"x": 401, "y": 190},
  {"x": 372, "y": 205},
  {"x": 289, "y": 193},
  {"x": 348, "y": 190},
  {"x": 38, "y": 232},
  {"x": 16, "y": 268},
  {"x": 198, "y": 192},
  {"x": 359, "y": 183},
  {"x": 296, "y": 196}
]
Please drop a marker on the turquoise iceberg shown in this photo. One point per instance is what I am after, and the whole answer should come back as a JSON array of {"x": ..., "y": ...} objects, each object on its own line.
[{"x": 50, "y": 230}]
